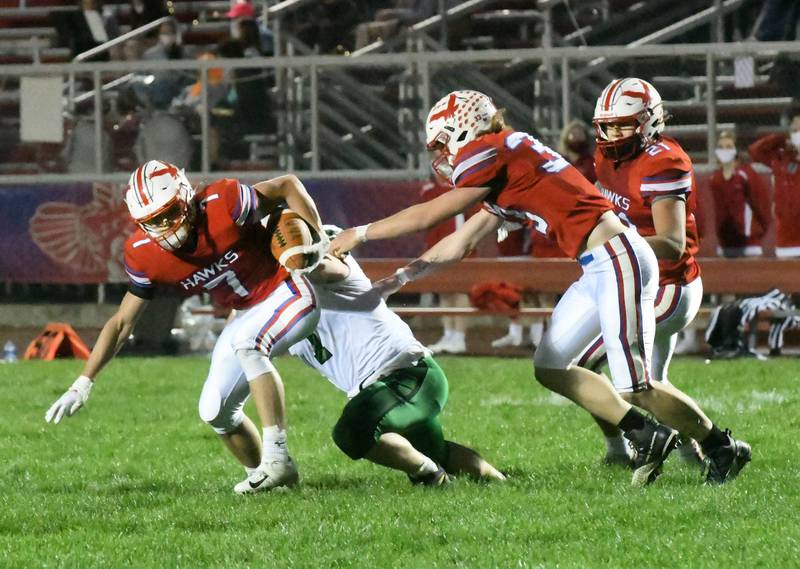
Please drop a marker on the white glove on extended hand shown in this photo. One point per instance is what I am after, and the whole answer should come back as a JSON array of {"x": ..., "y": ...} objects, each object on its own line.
[
  {"x": 316, "y": 252},
  {"x": 71, "y": 401}
]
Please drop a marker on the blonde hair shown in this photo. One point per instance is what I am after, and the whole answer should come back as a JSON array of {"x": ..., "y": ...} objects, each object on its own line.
[
  {"x": 727, "y": 134},
  {"x": 498, "y": 124}
]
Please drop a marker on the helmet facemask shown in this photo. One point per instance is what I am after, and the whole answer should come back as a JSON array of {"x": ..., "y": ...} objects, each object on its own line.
[
  {"x": 442, "y": 160},
  {"x": 171, "y": 226},
  {"x": 622, "y": 147}
]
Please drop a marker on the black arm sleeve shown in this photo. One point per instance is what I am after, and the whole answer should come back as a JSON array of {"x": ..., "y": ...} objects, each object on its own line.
[{"x": 146, "y": 293}]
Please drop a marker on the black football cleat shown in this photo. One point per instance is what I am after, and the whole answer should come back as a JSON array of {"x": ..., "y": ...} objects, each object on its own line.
[
  {"x": 438, "y": 478},
  {"x": 723, "y": 464},
  {"x": 651, "y": 446}
]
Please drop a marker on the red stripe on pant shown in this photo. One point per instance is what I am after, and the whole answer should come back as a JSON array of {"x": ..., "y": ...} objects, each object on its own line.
[
  {"x": 637, "y": 282},
  {"x": 676, "y": 298},
  {"x": 588, "y": 354},
  {"x": 290, "y": 325},
  {"x": 278, "y": 311},
  {"x": 623, "y": 314}
]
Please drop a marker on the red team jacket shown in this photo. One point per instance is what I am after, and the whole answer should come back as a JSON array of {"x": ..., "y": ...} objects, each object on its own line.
[
  {"x": 741, "y": 207},
  {"x": 231, "y": 261},
  {"x": 532, "y": 185},
  {"x": 773, "y": 151},
  {"x": 661, "y": 169}
]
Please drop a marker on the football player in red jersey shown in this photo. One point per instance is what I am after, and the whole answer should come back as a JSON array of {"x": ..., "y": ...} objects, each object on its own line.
[
  {"x": 649, "y": 180},
  {"x": 213, "y": 241},
  {"x": 519, "y": 179}
]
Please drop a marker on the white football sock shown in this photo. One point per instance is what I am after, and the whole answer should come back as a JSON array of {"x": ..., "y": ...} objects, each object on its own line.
[
  {"x": 617, "y": 446},
  {"x": 457, "y": 336},
  {"x": 274, "y": 445},
  {"x": 515, "y": 330},
  {"x": 428, "y": 467}
]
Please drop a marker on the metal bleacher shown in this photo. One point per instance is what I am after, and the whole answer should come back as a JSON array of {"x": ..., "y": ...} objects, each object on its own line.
[{"x": 363, "y": 111}]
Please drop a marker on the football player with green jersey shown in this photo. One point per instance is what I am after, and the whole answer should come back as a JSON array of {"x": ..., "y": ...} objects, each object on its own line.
[{"x": 396, "y": 389}]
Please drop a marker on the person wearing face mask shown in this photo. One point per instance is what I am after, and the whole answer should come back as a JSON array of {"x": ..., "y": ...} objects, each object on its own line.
[
  {"x": 575, "y": 145},
  {"x": 169, "y": 44},
  {"x": 166, "y": 85},
  {"x": 741, "y": 203},
  {"x": 782, "y": 155}
]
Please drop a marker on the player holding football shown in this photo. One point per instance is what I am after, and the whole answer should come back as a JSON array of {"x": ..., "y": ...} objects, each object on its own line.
[
  {"x": 649, "y": 180},
  {"x": 521, "y": 180},
  {"x": 396, "y": 389},
  {"x": 212, "y": 241}
]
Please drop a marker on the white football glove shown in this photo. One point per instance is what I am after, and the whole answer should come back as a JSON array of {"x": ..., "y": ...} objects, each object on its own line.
[
  {"x": 316, "y": 251},
  {"x": 505, "y": 229},
  {"x": 71, "y": 401}
]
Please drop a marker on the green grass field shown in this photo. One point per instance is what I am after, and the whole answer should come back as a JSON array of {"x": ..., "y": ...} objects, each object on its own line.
[{"x": 136, "y": 479}]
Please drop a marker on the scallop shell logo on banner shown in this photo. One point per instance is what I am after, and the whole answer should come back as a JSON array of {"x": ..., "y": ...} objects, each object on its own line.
[{"x": 85, "y": 239}]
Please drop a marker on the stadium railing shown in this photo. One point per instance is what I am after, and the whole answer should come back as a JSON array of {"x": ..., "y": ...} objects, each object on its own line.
[{"x": 322, "y": 137}]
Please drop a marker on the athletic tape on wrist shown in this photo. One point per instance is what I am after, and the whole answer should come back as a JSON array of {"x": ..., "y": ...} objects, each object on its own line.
[
  {"x": 402, "y": 276},
  {"x": 361, "y": 232}
]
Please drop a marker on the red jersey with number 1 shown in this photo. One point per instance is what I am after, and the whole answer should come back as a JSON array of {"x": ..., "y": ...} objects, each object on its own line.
[
  {"x": 533, "y": 185},
  {"x": 660, "y": 170},
  {"x": 231, "y": 261}
]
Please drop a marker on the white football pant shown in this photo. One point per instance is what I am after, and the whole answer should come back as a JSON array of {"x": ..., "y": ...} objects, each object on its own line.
[
  {"x": 676, "y": 307},
  {"x": 614, "y": 298},
  {"x": 243, "y": 350}
]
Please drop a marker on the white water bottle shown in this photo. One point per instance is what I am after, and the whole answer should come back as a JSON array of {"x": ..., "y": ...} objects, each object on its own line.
[{"x": 9, "y": 352}]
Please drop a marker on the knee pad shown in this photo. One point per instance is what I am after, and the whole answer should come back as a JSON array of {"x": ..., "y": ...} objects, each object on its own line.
[
  {"x": 548, "y": 357},
  {"x": 221, "y": 418},
  {"x": 254, "y": 363}
]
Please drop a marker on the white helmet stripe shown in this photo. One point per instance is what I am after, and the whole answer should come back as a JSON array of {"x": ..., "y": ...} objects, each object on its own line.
[{"x": 140, "y": 188}]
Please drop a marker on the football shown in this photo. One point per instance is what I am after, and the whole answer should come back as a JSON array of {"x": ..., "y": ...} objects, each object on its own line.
[{"x": 290, "y": 235}]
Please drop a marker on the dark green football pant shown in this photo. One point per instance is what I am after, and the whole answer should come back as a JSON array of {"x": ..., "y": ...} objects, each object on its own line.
[{"x": 406, "y": 402}]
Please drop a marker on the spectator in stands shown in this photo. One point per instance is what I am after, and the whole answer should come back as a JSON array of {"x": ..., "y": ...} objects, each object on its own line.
[
  {"x": 169, "y": 46},
  {"x": 246, "y": 107},
  {"x": 244, "y": 22},
  {"x": 782, "y": 155},
  {"x": 389, "y": 21},
  {"x": 249, "y": 36},
  {"x": 741, "y": 202},
  {"x": 575, "y": 145},
  {"x": 326, "y": 26},
  {"x": 93, "y": 27},
  {"x": 166, "y": 85},
  {"x": 145, "y": 11}
]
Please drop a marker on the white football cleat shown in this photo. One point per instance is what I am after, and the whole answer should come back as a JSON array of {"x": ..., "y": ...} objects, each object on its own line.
[
  {"x": 269, "y": 475},
  {"x": 508, "y": 341}
]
